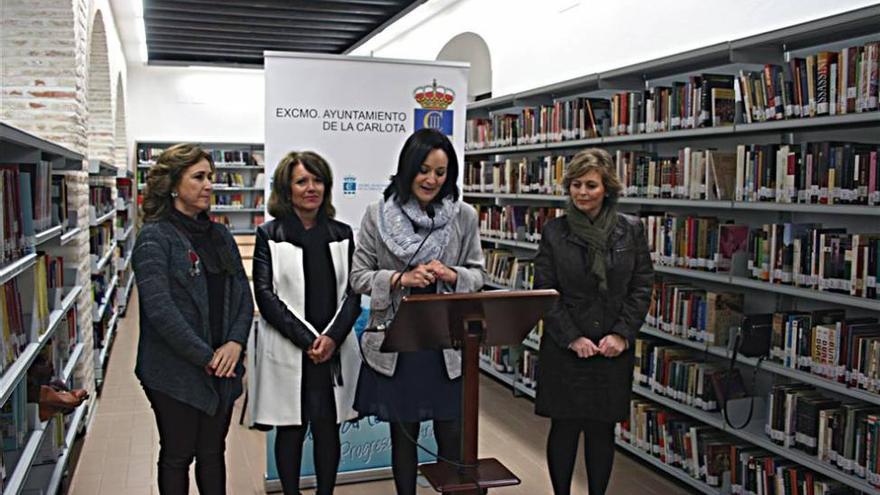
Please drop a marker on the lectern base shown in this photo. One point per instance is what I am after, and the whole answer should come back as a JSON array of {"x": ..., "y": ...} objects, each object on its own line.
[{"x": 490, "y": 473}]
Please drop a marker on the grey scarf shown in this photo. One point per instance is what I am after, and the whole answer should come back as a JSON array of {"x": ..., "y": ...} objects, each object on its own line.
[{"x": 404, "y": 226}]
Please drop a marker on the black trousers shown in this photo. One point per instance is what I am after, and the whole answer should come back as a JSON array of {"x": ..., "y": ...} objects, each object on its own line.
[
  {"x": 288, "y": 455},
  {"x": 404, "y": 452},
  {"x": 562, "y": 445},
  {"x": 186, "y": 433}
]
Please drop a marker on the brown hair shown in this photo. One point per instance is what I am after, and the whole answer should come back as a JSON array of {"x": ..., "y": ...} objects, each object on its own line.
[
  {"x": 280, "y": 203},
  {"x": 165, "y": 175},
  {"x": 594, "y": 159}
]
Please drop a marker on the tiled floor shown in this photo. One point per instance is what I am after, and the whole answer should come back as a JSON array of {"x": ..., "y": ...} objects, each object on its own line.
[{"x": 121, "y": 446}]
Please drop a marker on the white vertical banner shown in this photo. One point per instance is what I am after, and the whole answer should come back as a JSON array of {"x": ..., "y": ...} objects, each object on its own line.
[{"x": 356, "y": 112}]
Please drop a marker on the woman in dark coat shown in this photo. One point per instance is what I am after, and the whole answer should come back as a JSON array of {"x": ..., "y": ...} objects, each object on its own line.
[
  {"x": 196, "y": 311},
  {"x": 305, "y": 359},
  {"x": 598, "y": 260}
]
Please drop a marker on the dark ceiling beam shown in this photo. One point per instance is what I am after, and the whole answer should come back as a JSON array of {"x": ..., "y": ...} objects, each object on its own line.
[
  {"x": 406, "y": 9},
  {"x": 241, "y": 38},
  {"x": 195, "y": 47},
  {"x": 293, "y": 6},
  {"x": 246, "y": 14},
  {"x": 179, "y": 26},
  {"x": 215, "y": 20},
  {"x": 276, "y": 45}
]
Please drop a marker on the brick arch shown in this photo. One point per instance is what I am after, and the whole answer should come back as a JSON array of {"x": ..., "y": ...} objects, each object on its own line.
[
  {"x": 99, "y": 100},
  {"x": 43, "y": 69},
  {"x": 120, "y": 144}
]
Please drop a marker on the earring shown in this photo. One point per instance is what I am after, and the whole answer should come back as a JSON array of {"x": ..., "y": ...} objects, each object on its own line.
[{"x": 174, "y": 194}]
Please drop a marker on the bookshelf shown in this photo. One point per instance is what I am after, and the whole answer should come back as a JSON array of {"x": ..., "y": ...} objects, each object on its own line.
[
  {"x": 40, "y": 289},
  {"x": 527, "y": 135},
  {"x": 104, "y": 216},
  {"x": 238, "y": 183},
  {"x": 125, "y": 234}
]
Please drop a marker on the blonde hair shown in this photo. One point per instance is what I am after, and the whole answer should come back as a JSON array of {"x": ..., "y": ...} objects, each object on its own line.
[
  {"x": 590, "y": 160},
  {"x": 165, "y": 175}
]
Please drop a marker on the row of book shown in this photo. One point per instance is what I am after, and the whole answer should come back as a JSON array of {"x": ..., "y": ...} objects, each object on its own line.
[
  {"x": 811, "y": 173},
  {"x": 26, "y": 303},
  {"x": 220, "y": 156},
  {"x": 25, "y": 197},
  {"x": 237, "y": 200},
  {"x": 680, "y": 373},
  {"x": 501, "y": 358},
  {"x": 805, "y": 255},
  {"x": 541, "y": 175},
  {"x": 705, "y": 100},
  {"x": 63, "y": 212},
  {"x": 101, "y": 199},
  {"x": 255, "y": 221},
  {"x": 101, "y": 326},
  {"x": 825, "y": 83},
  {"x": 842, "y": 434},
  {"x": 124, "y": 189},
  {"x": 100, "y": 240},
  {"x": 694, "y": 313},
  {"x": 518, "y": 223},
  {"x": 716, "y": 458},
  {"x": 817, "y": 173},
  {"x": 503, "y": 268}
]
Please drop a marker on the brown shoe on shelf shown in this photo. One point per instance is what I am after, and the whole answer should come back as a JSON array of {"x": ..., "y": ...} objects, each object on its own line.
[{"x": 53, "y": 401}]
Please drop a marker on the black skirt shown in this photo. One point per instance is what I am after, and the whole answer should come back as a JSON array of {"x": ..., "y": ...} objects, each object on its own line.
[{"x": 419, "y": 390}]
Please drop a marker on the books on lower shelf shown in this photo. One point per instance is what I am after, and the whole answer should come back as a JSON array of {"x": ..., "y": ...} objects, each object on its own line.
[
  {"x": 714, "y": 457},
  {"x": 841, "y": 434}
]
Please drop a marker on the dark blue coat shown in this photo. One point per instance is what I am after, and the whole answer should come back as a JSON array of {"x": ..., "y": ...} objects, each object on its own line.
[{"x": 175, "y": 336}]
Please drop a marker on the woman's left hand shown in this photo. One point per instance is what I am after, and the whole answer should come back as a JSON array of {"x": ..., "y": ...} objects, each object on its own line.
[
  {"x": 612, "y": 345},
  {"x": 443, "y": 272},
  {"x": 225, "y": 359}
]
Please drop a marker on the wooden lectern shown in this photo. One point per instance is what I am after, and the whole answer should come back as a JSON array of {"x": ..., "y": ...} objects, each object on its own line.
[{"x": 467, "y": 321}]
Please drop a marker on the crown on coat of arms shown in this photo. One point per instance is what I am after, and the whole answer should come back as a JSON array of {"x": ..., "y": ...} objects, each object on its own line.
[{"x": 434, "y": 97}]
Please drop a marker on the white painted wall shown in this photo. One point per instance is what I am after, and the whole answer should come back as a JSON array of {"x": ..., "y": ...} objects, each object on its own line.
[
  {"x": 195, "y": 104},
  {"x": 534, "y": 43}
]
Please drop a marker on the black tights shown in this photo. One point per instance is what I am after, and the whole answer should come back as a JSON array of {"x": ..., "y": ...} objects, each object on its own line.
[
  {"x": 562, "y": 450},
  {"x": 404, "y": 453},
  {"x": 186, "y": 432},
  {"x": 289, "y": 449}
]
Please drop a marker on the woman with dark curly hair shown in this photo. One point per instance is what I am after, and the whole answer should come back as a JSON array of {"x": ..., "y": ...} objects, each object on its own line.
[{"x": 196, "y": 311}]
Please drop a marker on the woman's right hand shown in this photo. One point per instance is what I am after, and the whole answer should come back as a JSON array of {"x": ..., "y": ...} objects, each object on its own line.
[
  {"x": 420, "y": 276},
  {"x": 583, "y": 347}
]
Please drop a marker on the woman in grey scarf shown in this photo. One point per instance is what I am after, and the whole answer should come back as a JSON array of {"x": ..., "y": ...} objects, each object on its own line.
[
  {"x": 418, "y": 239},
  {"x": 598, "y": 260}
]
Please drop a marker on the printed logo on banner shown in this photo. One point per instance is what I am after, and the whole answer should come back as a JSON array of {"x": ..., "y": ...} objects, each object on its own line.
[
  {"x": 349, "y": 185},
  {"x": 434, "y": 100}
]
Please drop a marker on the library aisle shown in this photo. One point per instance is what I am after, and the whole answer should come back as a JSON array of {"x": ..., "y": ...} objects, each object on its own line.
[{"x": 120, "y": 450}]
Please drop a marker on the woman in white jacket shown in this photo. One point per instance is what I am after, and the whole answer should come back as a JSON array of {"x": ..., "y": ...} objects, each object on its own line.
[{"x": 305, "y": 358}]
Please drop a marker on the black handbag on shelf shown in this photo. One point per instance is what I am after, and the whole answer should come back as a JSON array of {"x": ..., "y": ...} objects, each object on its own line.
[{"x": 752, "y": 340}]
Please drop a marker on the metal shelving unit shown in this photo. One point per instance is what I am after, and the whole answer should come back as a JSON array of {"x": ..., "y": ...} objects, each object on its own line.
[{"x": 774, "y": 47}]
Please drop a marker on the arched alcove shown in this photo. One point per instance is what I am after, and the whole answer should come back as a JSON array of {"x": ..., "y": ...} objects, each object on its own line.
[
  {"x": 471, "y": 47},
  {"x": 99, "y": 100},
  {"x": 120, "y": 146}
]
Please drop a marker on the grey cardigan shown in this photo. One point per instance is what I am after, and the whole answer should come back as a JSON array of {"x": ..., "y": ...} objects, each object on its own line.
[
  {"x": 374, "y": 264},
  {"x": 175, "y": 338}
]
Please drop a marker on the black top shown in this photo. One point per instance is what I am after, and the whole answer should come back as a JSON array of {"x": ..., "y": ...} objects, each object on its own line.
[
  {"x": 201, "y": 234},
  {"x": 319, "y": 273}
]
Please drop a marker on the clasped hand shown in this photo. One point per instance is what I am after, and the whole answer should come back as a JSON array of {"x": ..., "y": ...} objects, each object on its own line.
[
  {"x": 427, "y": 273},
  {"x": 610, "y": 346},
  {"x": 225, "y": 358},
  {"x": 322, "y": 349}
]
